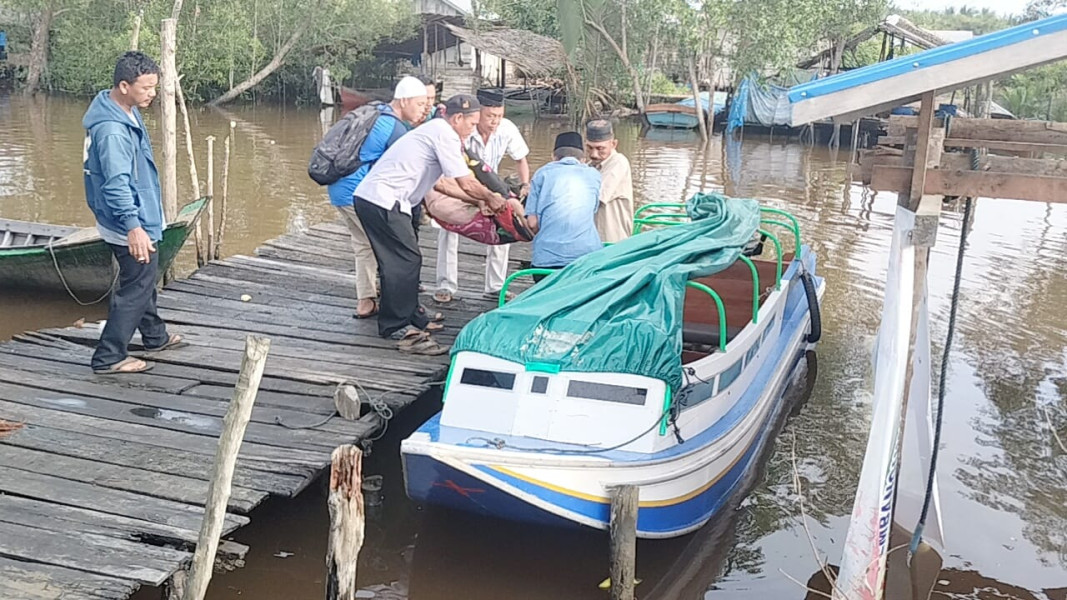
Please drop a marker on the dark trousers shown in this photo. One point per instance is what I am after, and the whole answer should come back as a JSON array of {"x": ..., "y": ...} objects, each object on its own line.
[
  {"x": 392, "y": 237},
  {"x": 132, "y": 308},
  {"x": 538, "y": 278}
]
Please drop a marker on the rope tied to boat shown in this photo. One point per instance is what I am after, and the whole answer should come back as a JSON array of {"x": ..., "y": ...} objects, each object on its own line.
[{"x": 63, "y": 280}]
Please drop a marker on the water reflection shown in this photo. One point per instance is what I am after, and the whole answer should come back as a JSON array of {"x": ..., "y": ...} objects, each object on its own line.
[{"x": 1003, "y": 477}]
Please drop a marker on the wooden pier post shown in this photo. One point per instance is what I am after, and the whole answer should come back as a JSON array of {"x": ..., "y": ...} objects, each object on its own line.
[
  {"x": 346, "y": 522},
  {"x": 194, "y": 178},
  {"x": 168, "y": 82},
  {"x": 210, "y": 254},
  {"x": 218, "y": 493},
  {"x": 135, "y": 37},
  {"x": 225, "y": 193},
  {"x": 623, "y": 530}
]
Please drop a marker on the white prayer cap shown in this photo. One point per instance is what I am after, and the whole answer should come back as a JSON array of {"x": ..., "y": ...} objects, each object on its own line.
[{"x": 409, "y": 87}]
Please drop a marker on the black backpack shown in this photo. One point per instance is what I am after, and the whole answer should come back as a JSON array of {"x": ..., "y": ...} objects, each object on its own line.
[{"x": 337, "y": 155}]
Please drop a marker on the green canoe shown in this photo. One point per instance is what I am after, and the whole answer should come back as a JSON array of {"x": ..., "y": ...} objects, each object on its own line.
[{"x": 50, "y": 257}]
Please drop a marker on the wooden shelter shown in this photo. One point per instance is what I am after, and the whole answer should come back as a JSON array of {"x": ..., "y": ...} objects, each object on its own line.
[{"x": 924, "y": 159}]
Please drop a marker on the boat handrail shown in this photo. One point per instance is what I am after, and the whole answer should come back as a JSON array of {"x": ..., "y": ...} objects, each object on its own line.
[
  {"x": 778, "y": 251},
  {"x": 795, "y": 225},
  {"x": 719, "y": 305},
  {"x": 640, "y": 221},
  {"x": 517, "y": 274},
  {"x": 755, "y": 287}
]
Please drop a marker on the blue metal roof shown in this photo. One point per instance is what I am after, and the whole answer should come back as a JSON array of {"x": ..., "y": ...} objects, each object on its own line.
[{"x": 928, "y": 58}]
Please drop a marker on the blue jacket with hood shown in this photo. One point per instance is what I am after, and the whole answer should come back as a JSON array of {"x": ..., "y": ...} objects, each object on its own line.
[{"x": 121, "y": 180}]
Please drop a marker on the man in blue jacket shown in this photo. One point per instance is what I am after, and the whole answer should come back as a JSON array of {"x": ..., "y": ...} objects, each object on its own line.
[{"x": 122, "y": 189}]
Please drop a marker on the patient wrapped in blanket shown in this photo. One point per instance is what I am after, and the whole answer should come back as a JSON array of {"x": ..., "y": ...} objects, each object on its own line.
[{"x": 470, "y": 221}]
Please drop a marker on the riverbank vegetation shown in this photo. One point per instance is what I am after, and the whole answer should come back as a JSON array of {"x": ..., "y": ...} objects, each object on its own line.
[
  {"x": 259, "y": 48},
  {"x": 625, "y": 53}
]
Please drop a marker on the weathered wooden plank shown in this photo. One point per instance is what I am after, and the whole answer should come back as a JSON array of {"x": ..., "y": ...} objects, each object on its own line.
[
  {"x": 190, "y": 373},
  {"x": 198, "y": 413},
  {"x": 958, "y": 161},
  {"x": 126, "y": 453},
  {"x": 175, "y": 418},
  {"x": 1006, "y": 130},
  {"x": 21, "y": 580},
  {"x": 106, "y": 500},
  {"x": 58, "y": 517},
  {"x": 148, "y": 483},
  {"x": 295, "y": 461},
  {"x": 975, "y": 184},
  {"x": 99, "y": 554}
]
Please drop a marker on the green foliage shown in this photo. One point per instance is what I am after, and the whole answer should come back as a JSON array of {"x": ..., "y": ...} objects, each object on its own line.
[
  {"x": 661, "y": 84},
  {"x": 220, "y": 42},
  {"x": 538, "y": 16}
]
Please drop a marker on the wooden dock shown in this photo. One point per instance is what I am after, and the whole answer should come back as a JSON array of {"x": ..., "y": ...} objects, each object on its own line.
[{"x": 101, "y": 489}]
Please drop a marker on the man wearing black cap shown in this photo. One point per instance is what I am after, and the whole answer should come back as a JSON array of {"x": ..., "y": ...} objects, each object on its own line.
[
  {"x": 494, "y": 137},
  {"x": 384, "y": 200},
  {"x": 615, "y": 219},
  {"x": 562, "y": 205}
]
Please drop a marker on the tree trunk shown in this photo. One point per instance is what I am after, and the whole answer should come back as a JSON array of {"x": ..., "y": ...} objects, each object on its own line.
[
  {"x": 635, "y": 77},
  {"x": 168, "y": 82},
  {"x": 135, "y": 37},
  {"x": 39, "y": 49},
  {"x": 696, "y": 99},
  {"x": 275, "y": 63}
]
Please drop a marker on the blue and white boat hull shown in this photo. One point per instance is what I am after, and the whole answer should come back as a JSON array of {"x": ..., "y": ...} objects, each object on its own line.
[{"x": 681, "y": 486}]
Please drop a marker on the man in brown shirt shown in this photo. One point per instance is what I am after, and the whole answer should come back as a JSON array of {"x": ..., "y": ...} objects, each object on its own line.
[{"x": 615, "y": 216}]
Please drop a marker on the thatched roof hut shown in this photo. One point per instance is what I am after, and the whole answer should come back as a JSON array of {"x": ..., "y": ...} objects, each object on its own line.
[{"x": 536, "y": 55}]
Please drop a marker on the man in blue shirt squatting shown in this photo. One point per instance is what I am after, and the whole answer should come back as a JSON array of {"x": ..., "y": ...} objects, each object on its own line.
[
  {"x": 562, "y": 205},
  {"x": 407, "y": 108},
  {"x": 122, "y": 190}
]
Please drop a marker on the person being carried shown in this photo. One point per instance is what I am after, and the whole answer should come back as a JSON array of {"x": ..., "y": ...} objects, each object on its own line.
[
  {"x": 615, "y": 218},
  {"x": 562, "y": 205},
  {"x": 494, "y": 137},
  {"x": 383, "y": 200},
  {"x": 394, "y": 119},
  {"x": 122, "y": 190}
]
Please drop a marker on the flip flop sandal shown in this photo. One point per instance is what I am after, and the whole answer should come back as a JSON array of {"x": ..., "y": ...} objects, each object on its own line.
[
  {"x": 117, "y": 368},
  {"x": 372, "y": 313},
  {"x": 508, "y": 297},
  {"x": 426, "y": 347},
  {"x": 413, "y": 338},
  {"x": 434, "y": 327},
  {"x": 442, "y": 296},
  {"x": 174, "y": 341}
]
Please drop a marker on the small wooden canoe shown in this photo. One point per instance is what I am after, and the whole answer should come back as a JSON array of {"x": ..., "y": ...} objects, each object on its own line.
[
  {"x": 676, "y": 116},
  {"x": 51, "y": 257},
  {"x": 352, "y": 98}
]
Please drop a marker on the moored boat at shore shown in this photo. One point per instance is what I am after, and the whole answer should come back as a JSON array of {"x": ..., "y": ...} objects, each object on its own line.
[
  {"x": 657, "y": 362},
  {"x": 52, "y": 257}
]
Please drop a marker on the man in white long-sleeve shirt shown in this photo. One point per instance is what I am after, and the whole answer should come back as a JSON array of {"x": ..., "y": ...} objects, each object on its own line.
[{"x": 494, "y": 137}]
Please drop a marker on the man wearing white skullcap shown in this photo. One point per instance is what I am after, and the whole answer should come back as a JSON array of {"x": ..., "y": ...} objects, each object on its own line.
[{"x": 406, "y": 109}]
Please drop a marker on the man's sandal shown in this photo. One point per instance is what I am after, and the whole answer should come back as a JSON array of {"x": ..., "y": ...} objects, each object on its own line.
[{"x": 125, "y": 366}]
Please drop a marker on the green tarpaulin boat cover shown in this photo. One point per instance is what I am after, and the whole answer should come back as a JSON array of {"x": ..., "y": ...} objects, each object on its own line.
[{"x": 618, "y": 310}]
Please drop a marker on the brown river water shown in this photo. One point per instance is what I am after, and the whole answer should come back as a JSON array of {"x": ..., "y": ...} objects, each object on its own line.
[{"x": 1003, "y": 472}]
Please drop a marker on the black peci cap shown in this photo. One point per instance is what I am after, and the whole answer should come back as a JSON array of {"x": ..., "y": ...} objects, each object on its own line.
[{"x": 569, "y": 139}]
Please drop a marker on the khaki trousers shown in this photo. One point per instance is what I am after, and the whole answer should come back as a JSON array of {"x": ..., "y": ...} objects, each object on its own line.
[{"x": 366, "y": 263}]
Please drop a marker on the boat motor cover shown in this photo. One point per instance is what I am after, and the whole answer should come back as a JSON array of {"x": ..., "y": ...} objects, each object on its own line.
[{"x": 619, "y": 309}]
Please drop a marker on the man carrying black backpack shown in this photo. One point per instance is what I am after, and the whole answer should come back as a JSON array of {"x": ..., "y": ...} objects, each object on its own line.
[{"x": 370, "y": 131}]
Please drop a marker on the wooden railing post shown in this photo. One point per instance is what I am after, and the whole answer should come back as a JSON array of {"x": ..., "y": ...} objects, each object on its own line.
[{"x": 218, "y": 493}]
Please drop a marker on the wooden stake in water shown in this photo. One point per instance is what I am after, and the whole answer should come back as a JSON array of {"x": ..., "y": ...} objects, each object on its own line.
[
  {"x": 347, "y": 522},
  {"x": 210, "y": 199},
  {"x": 194, "y": 178},
  {"x": 623, "y": 530},
  {"x": 168, "y": 82},
  {"x": 218, "y": 493},
  {"x": 225, "y": 193}
]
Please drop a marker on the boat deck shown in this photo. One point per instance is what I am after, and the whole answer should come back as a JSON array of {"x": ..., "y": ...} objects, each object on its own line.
[{"x": 101, "y": 487}]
